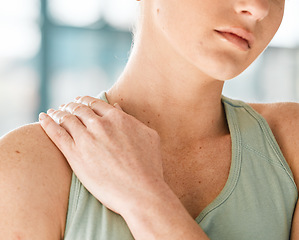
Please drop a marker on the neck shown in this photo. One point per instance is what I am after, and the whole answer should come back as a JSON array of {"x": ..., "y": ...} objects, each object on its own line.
[
  {"x": 175, "y": 113},
  {"x": 173, "y": 97}
]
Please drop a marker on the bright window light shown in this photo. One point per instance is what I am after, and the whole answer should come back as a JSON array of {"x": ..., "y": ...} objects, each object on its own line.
[
  {"x": 288, "y": 34},
  {"x": 77, "y": 13},
  {"x": 15, "y": 10},
  {"x": 20, "y": 40},
  {"x": 20, "y": 34},
  {"x": 121, "y": 13}
]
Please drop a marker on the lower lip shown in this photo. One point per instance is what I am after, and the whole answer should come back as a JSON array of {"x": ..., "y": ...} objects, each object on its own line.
[{"x": 237, "y": 41}]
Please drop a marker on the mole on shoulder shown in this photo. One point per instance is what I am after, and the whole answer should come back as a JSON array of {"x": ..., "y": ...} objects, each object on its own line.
[{"x": 18, "y": 152}]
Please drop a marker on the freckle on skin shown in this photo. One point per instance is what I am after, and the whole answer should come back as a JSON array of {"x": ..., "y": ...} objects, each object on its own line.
[
  {"x": 148, "y": 122},
  {"x": 18, "y": 152},
  {"x": 121, "y": 99},
  {"x": 18, "y": 237},
  {"x": 158, "y": 11}
]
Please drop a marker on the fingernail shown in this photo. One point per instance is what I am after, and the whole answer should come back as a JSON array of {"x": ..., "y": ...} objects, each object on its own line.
[
  {"x": 42, "y": 116},
  {"x": 50, "y": 111},
  {"x": 77, "y": 98},
  {"x": 116, "y": 105},
  {"x": 61, "y": 106}
]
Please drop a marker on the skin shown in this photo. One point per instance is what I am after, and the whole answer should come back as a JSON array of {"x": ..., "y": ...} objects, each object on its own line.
[{"x": 169, "y": 57}]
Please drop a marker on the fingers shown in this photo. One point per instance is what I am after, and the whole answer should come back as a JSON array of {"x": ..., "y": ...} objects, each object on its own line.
[
  {"x": 69, "y": 122},
  {"x": 100, "y": 107},
  {"x": 82, "y": 112},
  {"x": 75, "y": 117},
  {"x": 89, "y": 110},
  {"x": 94, "y": 105},
  {"x": 61, "y": 138}
]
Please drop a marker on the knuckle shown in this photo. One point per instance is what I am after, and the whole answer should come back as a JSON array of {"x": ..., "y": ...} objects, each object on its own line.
[
  {"x": 47, "y": 123},
  {"x": 59, "y": 134},
  {"x": 84, "y": 99},
  {"x": 92, "y": 103},
  {"x": 68, "y": 105},
  {"x": 55, "y": 113},
  {"x": 79, "y": 108},
  {"x": 95, "y": 121},
  {"x": 66, "y": 118},
  {"x": 115, "y": 114},
  {"x": 106, "y": 126},
  {"x": 78, "y": 99}
]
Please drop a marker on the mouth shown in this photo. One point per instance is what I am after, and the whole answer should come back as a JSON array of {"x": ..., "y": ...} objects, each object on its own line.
[{"x": 239, "y": 37}]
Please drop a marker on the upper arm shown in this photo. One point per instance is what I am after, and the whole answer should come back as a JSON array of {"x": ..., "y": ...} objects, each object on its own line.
[
  {"x": 34, "y": 186},
  {"x": 283, "y": 119},
  {"x": 295, "y": 225}
]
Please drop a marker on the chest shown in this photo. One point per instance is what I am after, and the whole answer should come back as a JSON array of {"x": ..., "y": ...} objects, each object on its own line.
[{"x": 197, "y": 175}]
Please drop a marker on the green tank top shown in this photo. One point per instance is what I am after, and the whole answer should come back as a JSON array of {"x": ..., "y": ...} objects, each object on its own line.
[{"x": 257, "y": 202}]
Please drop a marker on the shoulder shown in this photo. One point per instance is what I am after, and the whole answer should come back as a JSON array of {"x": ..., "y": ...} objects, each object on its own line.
[
  {"x": 283, "y": 119},
  {"x": 34, "y": 185}
]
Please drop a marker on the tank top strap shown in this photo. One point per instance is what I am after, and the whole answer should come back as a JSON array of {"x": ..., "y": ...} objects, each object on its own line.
[
  {"x": 262, "y": 192},
  {"x": 256, "y": 133}
]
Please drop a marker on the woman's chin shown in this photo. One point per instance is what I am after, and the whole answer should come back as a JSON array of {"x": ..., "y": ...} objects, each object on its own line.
[{"x": 223, "y": 73}]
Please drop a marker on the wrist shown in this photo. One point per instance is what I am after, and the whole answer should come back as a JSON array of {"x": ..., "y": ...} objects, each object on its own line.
[
  {"x": 142, "y": 199},
  {"x": 161, "y": 215}
]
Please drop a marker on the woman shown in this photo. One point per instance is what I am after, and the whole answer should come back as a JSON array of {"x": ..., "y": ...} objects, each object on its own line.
[{"x": 172, "y": 149}]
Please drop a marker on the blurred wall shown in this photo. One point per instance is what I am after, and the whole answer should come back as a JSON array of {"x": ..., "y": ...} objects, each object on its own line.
[{"x": 54, "y": 50}]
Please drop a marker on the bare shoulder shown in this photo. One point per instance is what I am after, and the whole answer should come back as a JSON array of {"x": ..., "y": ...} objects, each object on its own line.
[
  {"x": 283, "y": 119},
  {"x": 34, "y": 185}
]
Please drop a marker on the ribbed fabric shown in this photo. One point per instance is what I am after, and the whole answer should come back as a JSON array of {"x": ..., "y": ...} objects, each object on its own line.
[{"x": 257, "y": 201}]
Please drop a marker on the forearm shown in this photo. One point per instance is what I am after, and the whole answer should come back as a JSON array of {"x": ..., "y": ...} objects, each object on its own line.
[{"x": 162, "y": 217}]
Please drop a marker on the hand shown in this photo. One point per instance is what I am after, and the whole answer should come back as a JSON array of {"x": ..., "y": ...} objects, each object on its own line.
[{"x": 115, "y": 156}]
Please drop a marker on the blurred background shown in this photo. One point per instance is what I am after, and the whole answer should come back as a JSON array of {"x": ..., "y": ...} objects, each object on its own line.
[{"x": 54, "y": 50}]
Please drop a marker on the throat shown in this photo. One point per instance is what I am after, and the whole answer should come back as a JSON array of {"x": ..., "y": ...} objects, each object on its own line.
[
  {"x": 173, "y": 117},
  {"x": 178, "y": 131}
]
